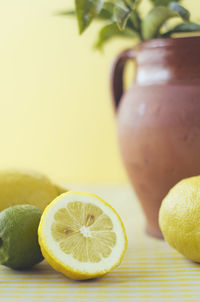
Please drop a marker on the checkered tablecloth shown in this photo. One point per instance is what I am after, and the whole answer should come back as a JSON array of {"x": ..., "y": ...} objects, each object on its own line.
[{"x": 150, "y": 271}]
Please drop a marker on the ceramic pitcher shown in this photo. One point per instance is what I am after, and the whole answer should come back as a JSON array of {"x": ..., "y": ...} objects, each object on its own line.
[{"x": 158, "y": 118}]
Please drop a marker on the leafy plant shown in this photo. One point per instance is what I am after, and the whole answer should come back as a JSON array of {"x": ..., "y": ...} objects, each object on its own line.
[{"x": 122, "y": 18}]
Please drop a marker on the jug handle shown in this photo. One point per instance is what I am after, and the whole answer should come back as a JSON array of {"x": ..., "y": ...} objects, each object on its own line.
[{"x": 117, "y": 71}]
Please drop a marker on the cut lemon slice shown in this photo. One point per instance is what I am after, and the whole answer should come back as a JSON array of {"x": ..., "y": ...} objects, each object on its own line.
[{"x": 82, "y": 236}]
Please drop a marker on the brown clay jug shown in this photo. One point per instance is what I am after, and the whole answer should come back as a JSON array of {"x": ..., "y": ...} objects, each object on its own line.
[{"x": 158, "y": 118}]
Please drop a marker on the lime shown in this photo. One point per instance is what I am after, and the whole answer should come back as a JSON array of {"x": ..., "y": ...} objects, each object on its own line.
[
  {"x": 179, "y": 218},
  {"x": 26, "y": 187},
  {"x": 19, "y": 248}
]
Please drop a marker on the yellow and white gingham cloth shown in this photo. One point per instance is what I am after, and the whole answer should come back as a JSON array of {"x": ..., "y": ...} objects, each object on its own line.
[{"x": 150, "y": 271}]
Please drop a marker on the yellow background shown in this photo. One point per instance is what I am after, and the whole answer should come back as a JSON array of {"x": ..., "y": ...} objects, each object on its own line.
[{"x": 55, "y": 110}]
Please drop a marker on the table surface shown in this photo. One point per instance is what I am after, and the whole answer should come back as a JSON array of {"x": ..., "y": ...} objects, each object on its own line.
[{"x": 150, "y": 271}]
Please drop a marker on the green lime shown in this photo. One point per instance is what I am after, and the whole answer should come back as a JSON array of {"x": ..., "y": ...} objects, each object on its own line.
[{"x": 19, "y": 248}]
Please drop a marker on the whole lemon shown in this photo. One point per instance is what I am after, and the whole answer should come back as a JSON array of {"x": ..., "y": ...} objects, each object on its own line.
[
  {"x": 179, "y": 218},
  {"x": 26, "y": 187},
  {"x": 19, "y": 248}
]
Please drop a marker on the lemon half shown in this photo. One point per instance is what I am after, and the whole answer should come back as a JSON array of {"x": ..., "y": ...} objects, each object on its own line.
[{"x": 82, "y": 236}]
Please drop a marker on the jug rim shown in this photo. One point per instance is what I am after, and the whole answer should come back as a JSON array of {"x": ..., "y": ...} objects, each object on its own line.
[{"x": 169, "y": 42}]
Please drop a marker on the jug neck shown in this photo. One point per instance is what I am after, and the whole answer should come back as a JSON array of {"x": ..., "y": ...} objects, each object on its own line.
[{"x": 168, "y": 61}]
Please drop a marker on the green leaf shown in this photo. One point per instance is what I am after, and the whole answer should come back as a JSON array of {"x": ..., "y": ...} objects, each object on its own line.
[
  {"x": 180, "y": 10},
  {"x": 111, "y": 31},
  {"x": 134, "y": 23},
  {"x": 121, "y": 15},
  {"x": 129, "y": 3},
  {"x": 162, "y": 2},
  {"x": 134, "y": 3},
  {"x": 183, "y": 28},
  {"x": 86, "y": 11},
  {"x": 66, "y": 13},
  {"x": 135, "y": 20},
  {"x": 107, "y": 11},
  {"x": 154, "y": 20},
  {"x": 158, "y": 16}
]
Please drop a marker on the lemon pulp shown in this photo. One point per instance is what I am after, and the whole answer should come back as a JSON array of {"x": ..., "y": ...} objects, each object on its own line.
[{"x": 84, "y": 231}]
